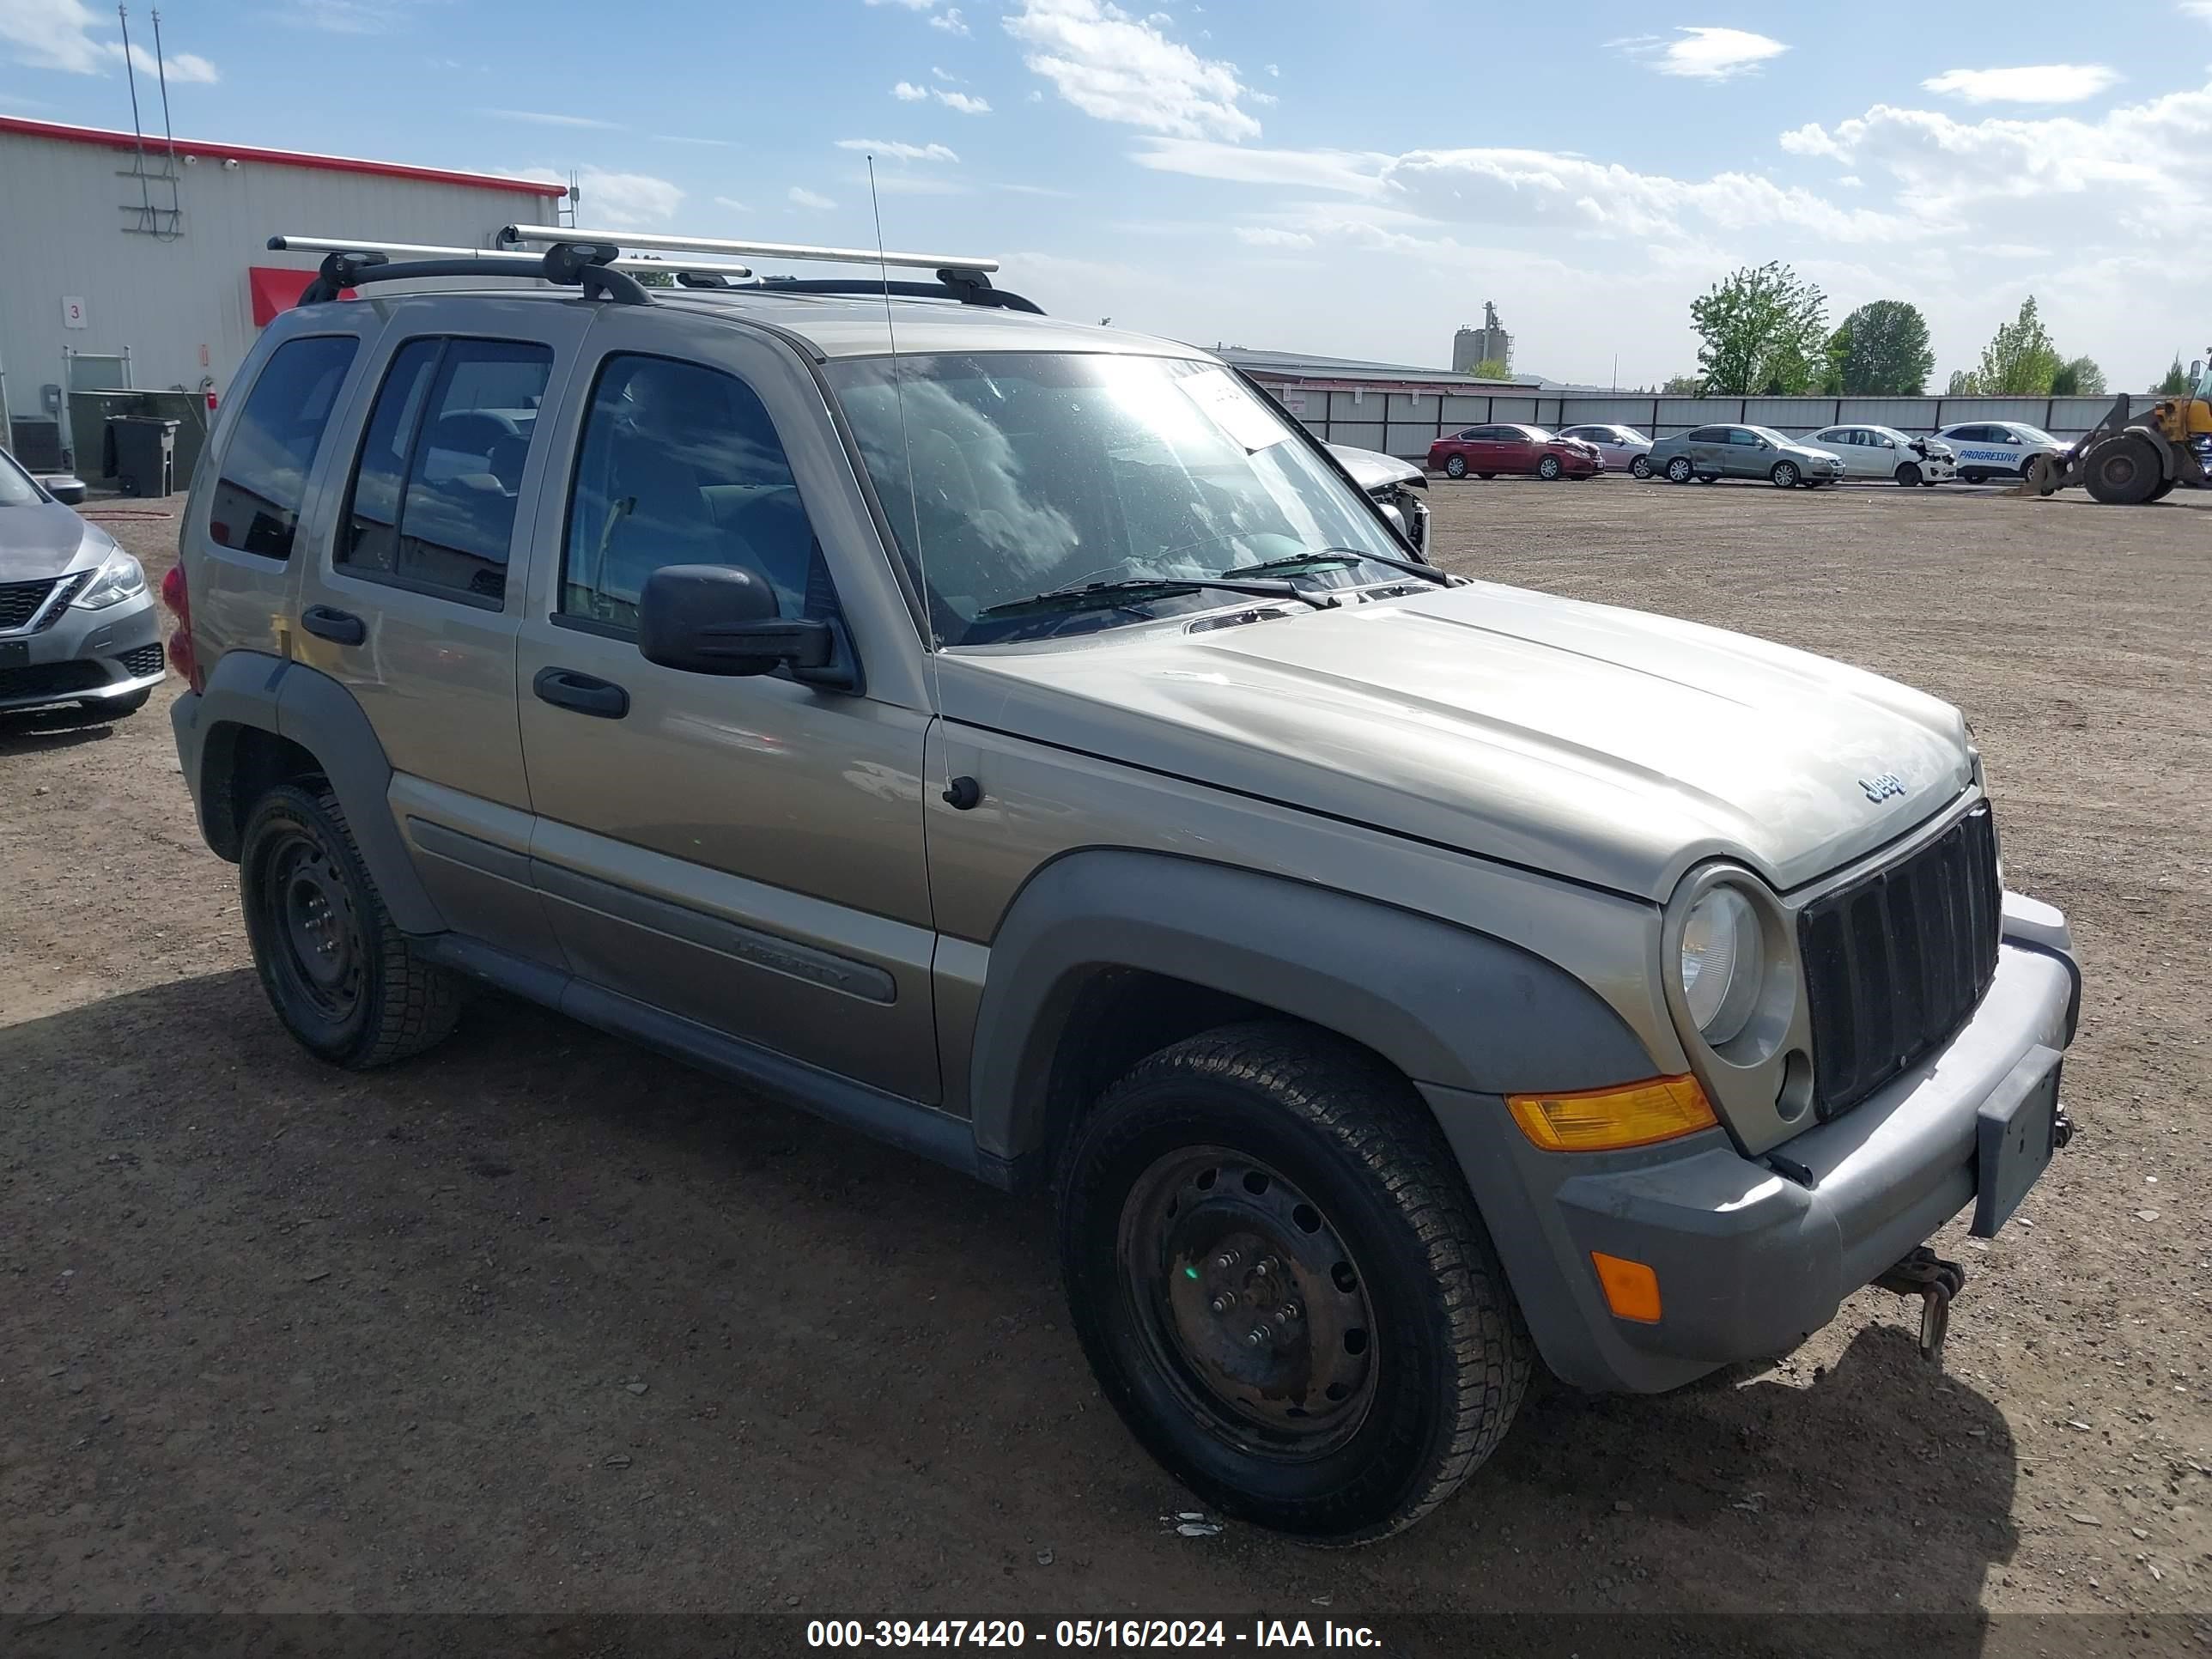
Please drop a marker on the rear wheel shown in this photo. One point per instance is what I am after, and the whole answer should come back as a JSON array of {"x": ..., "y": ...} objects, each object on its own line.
[
  {"x": 1679, "y": 471},
  {"x": 1640, "y": 467},
  {"x": 1548, "y": 469},
  {"x": 340, "y": 976},
  {"x": 1454, "y": 466},
  {"x": 1283, "y": 1287},
  {"x": 1785, "y": 475},
  {"x": 2123, "y": 471},
  {"x": 1973, "y": 475},
  {"x": 1487, "y": 476},
  {"x": 1908, "y": 474}
]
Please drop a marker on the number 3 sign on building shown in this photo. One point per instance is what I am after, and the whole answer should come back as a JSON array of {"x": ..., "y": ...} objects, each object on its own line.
[{"x": 72, "y": 311}]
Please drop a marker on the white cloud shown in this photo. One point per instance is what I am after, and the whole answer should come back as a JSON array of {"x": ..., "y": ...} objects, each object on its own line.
[
  {"x": 960, "y": 101},
  {"x": 904, "y": 152},
  {"x": 801, "y": 197},
  {"x": 57, "y": 34},
  {"x": 1272, "y": 236},
  {"x": 182, "y": 66},
  {"x": 1117, "y": 67},
  {"x": 946, "y": 75},
  {"x": 949, "y": 21},
  {"x": 732, "y": 203},
  {"x": 2198, "y": 8},
  {"x": 555, "y": 118},
  {"x": 907, "y": 93},
  {"x": 1703, "y": 53},
  {"x": 626, "y": 201},
  {"x": 2044, "y": 83},
  {"x": 908, "y": 5},
  {"x": 1274, "y": 70}
]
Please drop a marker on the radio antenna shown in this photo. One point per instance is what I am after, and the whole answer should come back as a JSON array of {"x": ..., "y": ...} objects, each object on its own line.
[{"x": 913, "y": 496}]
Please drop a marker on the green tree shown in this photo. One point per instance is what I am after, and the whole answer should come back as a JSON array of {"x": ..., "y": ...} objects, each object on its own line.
[
  {"x": 1764, "y": 331},
  {"x": 1965, "y": 383},
  {"x": 2020, "y": 360},
  {"x": 1683, "y": 386},
  {"x": 1881, "y": 349},
  {"x": 2176, "y": 380},
  {"x": 1491, "y": 368},
  {"x": 2080, "y": 377},
  {"x": 1833, "y": 358}
]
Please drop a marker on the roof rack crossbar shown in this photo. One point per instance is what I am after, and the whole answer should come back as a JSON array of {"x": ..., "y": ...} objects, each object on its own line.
[
  {"x": 522, "y": 257},
  {"x": 644, "y": 239},
  {"x": 969, "y": 294},
  {"x": 576, "y": 264}
]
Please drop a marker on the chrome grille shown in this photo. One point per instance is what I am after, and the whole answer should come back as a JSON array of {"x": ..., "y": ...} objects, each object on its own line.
[{"x": 1895, "y": 962}]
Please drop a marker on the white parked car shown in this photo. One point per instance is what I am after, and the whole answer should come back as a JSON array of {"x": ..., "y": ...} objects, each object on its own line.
[
  {"x": 1624, "y": 447},
  {"x": 1869, "y": 452},
  {"x": 1998, "y": 449}
]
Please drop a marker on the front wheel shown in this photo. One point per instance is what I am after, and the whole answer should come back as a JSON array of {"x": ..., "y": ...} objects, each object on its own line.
[
  {"x": 1455, "y": 466},
  {"x": 342, "y": 978},
  {"x": 2123, "y": 471},
  {"x": 1973, "y": 475},
  {"x": 1679, "y": 471},
  {"x": 1908, "y": 474},
  {"x": 1640, "y": 467},
  {"x": 1283, "y": 1287},
  {"x": 1785, "y": 475},
  {"x": 1548, "y": 469}
]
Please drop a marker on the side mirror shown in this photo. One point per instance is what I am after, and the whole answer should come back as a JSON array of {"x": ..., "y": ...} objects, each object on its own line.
[
  {"x": 70, "y": 492},
  {"x": 1397, "y": 519},
  {"x": 720, "y": 619}
]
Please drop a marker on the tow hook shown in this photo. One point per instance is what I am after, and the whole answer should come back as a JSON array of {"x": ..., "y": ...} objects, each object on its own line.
[{"x": 1936, "y": 1282}]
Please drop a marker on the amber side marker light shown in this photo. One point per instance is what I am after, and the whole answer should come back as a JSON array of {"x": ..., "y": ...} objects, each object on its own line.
[
  {"x": 1611, "y": 1120},
  {"x": 1631, "y": 1289}
]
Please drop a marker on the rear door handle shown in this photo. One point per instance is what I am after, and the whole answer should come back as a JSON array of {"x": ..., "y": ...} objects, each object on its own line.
[
  {"x": 564, "y": 688},
  {"x": 339, "y": 627}
]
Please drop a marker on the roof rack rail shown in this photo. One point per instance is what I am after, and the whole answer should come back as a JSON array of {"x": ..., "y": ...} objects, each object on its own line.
[
  {"x": 966, "y": 286},
  {"x": 494, "y": 257},
  {"x": 662, "y": 240},
  {"x": 576, "y": 263}
]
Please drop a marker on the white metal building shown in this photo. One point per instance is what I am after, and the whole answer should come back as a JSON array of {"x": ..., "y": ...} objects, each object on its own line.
[{"x": 138, "y": 262}]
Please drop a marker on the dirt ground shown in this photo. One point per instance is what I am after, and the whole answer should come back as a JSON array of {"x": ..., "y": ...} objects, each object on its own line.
[{"x": 540, "y": 1323}]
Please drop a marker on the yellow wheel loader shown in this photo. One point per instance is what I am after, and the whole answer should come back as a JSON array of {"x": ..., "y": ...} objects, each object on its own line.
[{"x": 2128, "y": 457}]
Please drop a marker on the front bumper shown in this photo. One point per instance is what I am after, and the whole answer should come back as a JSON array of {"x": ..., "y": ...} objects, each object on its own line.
[
  {"x": 1751, "y": 1261},
  {"x": 83, "y": 656}
]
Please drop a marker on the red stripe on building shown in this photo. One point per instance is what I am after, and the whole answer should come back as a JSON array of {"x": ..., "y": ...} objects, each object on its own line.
[{"x": 288, "y": 158}]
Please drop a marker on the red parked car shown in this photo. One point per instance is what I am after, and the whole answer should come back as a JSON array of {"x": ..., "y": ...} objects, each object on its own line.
[{"x": 1487, "y": 451}]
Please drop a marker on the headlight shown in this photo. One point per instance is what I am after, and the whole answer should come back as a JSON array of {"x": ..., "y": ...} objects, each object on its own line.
[
  {"x": 1720, "y": 965},
  {"x": 118, "y": 579}
]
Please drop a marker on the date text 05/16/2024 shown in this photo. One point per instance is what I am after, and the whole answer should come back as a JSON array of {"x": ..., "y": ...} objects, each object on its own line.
[{"x": 1069, "y": 1633}]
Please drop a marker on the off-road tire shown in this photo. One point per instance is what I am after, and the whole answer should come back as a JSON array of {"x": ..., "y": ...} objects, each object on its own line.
[
  {"x": 1451, "y": 1354},
  {"x": 1454, "y": 466},
  {"x": 2123, "y": 471},
  {"x": 1681, "y": 470},
  {"x": 403, "y": 1005}
]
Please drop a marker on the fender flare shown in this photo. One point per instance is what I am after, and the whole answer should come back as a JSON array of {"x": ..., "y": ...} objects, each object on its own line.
[
  {"x": 1443, "y": 1004},
  {"x": 254, "y": 689}
]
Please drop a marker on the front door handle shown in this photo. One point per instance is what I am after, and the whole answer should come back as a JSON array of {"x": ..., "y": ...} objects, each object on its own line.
[
  {"x": 564, "y": 688},
  {"x": 339, "y": 627}
]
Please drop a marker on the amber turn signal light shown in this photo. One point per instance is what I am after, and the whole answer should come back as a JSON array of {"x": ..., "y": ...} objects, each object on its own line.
[
  {"x": 1610, "y": 1119},
  {"x": 1631, "y": 1289}
]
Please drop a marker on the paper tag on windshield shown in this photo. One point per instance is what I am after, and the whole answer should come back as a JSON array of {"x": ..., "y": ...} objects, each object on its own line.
[{"x": 1234, "y": 410}]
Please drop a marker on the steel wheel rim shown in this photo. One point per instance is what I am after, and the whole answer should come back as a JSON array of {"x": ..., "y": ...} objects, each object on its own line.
[
  {"x": 1249, "y": 1302},
  {"x": 315, "y": 935}
]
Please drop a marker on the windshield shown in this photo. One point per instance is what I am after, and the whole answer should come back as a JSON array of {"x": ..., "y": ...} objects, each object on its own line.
[
  {"x": 2034, "y": 435},
  {"x": 1770, "y": 434},
  {"x": 1032, "y": 472},
  {"x": 16, "y": 489}
]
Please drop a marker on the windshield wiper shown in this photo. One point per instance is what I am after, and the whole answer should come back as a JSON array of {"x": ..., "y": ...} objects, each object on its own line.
[
  {"x": 1116, "y": 595},
  {"x": 1321, "y": 556}
]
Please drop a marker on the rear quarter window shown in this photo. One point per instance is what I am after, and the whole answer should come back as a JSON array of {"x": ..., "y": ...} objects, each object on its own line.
[{"x": 272, "y": 449}]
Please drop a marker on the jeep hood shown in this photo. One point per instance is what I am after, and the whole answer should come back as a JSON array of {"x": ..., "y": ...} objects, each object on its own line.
[{"x": 1604, "y": 745}]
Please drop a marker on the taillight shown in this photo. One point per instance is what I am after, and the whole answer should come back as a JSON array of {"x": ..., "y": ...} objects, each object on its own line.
[{"x": 182, "y": 658}]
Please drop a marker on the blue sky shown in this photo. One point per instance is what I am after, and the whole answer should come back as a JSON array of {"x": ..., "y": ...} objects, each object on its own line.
[{"x": 1347, "y": 180}]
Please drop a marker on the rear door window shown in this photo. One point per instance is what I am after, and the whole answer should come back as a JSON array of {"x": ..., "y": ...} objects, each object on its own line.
[
  {"x": 273, "y": 448},
  {"x": 432, "y": 501}
]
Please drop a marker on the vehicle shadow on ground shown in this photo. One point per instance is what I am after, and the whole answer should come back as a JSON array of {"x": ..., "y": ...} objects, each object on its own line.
[
  {"x": 38, "y": 730},
  {"x": 591, "y": 1278}
]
